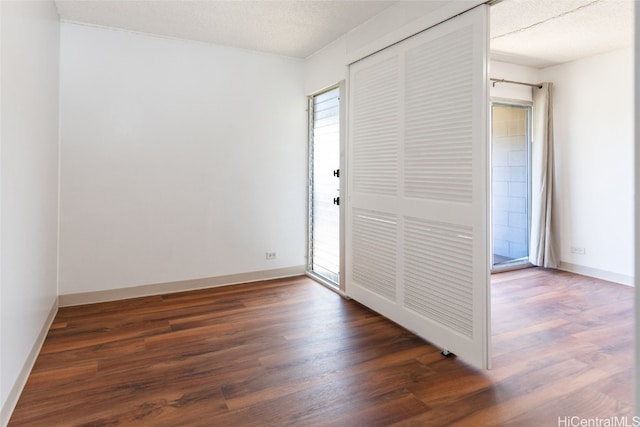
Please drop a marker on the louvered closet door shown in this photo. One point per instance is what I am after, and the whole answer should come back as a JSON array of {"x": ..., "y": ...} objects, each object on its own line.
[{"x": 417, "y": 227}]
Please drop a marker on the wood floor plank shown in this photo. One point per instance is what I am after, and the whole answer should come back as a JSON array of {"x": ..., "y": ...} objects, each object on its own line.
[{"x": 289, "y": 352}]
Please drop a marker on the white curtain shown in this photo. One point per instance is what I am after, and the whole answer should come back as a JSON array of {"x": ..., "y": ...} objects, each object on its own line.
[{"x": 543, "y": 244}]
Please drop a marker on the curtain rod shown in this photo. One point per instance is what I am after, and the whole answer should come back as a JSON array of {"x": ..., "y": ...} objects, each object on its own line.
[{"x": 538, "y": 85}]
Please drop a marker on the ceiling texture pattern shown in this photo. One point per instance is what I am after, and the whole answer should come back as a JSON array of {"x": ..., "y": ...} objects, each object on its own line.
[
  {"x": 536, "y": 33},
  {"x": 541, "y": 33},
  {"x": 290, "y": 28}
]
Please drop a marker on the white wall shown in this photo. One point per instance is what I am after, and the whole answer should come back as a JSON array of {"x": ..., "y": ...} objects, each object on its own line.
[
  {"x": 179, "y": 160},
  {"x": 594, "y": 125},
  {"x": 326, "y": 67},
  {"x": 519, "y": 73},
  {"x": 636, "y": 163},
  {"x": 29, "y": 187}
]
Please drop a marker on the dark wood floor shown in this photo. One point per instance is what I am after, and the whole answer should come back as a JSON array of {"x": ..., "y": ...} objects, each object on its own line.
[{"x": 290, "y": 352}]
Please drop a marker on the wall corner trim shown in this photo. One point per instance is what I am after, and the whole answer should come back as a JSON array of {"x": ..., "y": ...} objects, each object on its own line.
[
  {"x": 14, "y": 394},
  {"x": 178, "y": 286}
]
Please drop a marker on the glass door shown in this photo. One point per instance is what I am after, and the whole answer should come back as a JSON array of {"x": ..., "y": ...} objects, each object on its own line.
[
  {"x": 324, "y": 203},
  {"x": 511, "y": 184}
]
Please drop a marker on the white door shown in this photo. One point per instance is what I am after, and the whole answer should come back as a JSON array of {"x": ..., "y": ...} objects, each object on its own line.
[
  {"x": 417, "y": 228},
  {"x": 324, "y": 188}
]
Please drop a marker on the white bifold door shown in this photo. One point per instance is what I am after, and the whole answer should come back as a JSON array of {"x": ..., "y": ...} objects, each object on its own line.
[{"x": 417, "y": 229}]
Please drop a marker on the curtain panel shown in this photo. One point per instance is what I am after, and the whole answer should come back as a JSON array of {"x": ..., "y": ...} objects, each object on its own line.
[{"x": 543, "y": 250}]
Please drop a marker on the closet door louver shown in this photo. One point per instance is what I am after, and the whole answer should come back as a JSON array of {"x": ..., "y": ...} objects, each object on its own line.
[{"x": 417, "y": 225}]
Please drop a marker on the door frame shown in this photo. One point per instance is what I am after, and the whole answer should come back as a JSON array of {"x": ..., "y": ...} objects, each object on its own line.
[
  {"x": 342, "y": 87},
  {"x": 529, "y": 106}
]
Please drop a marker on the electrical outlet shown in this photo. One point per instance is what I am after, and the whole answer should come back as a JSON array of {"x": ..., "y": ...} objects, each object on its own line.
[
  {"x": 578, "y": 251},
  {"x": 271, "y": 255}
]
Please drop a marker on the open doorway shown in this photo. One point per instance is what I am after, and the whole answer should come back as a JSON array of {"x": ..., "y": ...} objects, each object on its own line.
[{"x": 324, "y": 186}]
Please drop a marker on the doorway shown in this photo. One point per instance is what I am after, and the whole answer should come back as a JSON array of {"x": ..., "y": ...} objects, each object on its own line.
[
  {"x": 324, "y": 183},
  {"x": 511, "y": 184}
]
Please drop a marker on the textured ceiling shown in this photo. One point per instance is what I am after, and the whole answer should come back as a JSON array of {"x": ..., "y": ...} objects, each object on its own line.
[
  {"x": 537, "y": 33},
  {"x": 291, "y": 28},
  {"x": 541, "y": 33}
]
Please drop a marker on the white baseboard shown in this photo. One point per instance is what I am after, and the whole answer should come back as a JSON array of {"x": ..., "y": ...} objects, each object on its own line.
[
  {"x": 14, "y": 394},
  {"x": 597, "y": 273},
  {"x": 180, "y": 286}
]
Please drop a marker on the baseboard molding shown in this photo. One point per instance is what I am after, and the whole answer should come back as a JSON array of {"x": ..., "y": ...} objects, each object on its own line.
[
  {"x": 14, "y": 394},
  {"x": 623, "y": 279},
  {"x": 180, "y": 286}
]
